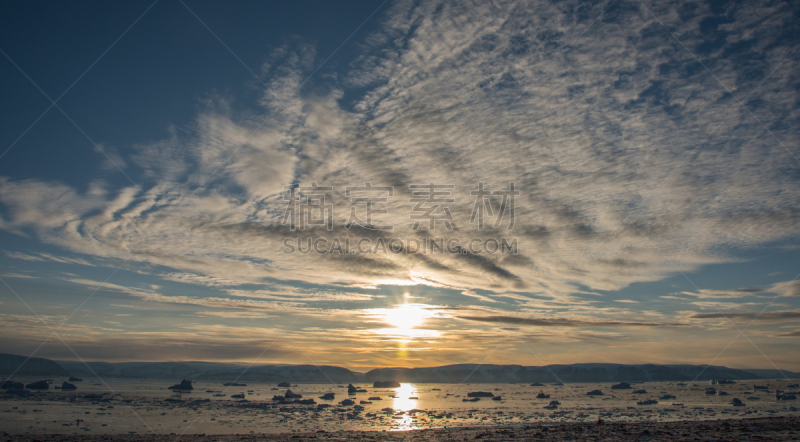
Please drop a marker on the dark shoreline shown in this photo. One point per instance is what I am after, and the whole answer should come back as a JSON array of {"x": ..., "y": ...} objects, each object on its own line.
[{"x": 769, "y": 428}]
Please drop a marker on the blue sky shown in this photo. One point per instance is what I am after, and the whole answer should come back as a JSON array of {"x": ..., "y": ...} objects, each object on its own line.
[{"x": 652, "y": 146}]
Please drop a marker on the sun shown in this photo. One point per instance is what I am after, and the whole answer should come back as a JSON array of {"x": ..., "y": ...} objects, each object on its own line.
[{"x": 405, "y": 316}]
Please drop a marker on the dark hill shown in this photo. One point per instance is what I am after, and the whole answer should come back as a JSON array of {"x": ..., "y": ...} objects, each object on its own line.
[
  {"x": 22, "y": 366},
  {"x": 214, "y": 371},
  {"x": 472, "y": 373}
]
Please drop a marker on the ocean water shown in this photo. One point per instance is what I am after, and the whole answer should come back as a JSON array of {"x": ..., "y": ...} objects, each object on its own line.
[{"x": 147, "y": 406}]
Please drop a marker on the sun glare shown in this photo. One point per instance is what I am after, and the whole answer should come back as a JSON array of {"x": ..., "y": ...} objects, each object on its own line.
[{"x": 405, "y": 316}]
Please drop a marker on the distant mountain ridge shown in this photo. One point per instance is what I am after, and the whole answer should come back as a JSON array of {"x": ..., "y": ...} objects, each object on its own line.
[
  {"x": 214, "y": 371},
  {"x": 459, "y": 373},
  {"x": 474, "y": 373},
  {"x": 469, "y": 373},
  {"x": 24, "y": 366}
]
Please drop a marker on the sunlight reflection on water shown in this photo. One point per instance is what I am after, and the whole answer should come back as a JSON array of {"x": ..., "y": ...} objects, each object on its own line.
[{"x": 403, "y": 420}]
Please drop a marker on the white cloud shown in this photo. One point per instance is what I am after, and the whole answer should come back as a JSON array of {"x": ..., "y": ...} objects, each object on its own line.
[{"x": 632, "y": 163}]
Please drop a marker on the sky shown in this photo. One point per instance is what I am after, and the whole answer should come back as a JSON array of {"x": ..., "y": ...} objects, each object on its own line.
[{"x": 401, "y": 183}]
